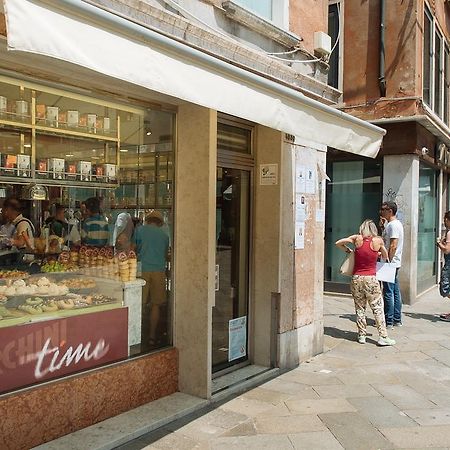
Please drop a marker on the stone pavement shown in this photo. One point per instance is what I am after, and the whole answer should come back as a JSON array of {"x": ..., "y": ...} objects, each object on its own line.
[{"x": 352, "y": 396}]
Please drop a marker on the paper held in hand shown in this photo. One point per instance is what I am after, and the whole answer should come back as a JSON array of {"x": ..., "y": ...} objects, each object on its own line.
[{"x": 386, "y": 272}]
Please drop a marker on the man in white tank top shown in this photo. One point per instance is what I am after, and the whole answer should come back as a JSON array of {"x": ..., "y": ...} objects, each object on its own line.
[{"x": 393, "y": 241}]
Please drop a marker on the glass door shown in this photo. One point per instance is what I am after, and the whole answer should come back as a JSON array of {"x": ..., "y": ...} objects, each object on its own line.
[
  {"x": 428, "y": 228},
  {"x": 230, "y": 313}
]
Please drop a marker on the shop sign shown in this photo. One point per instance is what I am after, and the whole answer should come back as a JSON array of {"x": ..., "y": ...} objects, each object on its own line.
[
  {"x": 41, "y": 351},
  {"x": 268, "y": 174}
]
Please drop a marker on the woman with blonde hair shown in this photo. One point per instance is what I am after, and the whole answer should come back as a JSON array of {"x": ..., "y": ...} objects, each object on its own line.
[{"x": 365, "y": 287}]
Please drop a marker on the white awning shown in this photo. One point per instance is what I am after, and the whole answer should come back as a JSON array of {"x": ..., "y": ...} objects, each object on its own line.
[{"x": 79, "y": 33}]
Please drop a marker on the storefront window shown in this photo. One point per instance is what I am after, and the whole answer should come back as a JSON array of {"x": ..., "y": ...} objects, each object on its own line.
[
  {"x": 86, "y": 190},
  {"x": 428, "y": 228},
  {"x": 353, "y": 194}
]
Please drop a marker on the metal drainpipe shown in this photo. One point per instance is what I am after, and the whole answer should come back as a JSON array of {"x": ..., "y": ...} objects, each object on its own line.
[
  {"x": 381, "y": 78},
  {"x": 148, "y": 35}
]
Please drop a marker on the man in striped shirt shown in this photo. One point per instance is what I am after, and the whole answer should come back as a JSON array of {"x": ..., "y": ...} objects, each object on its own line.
[{"x": 95, "y": 229}]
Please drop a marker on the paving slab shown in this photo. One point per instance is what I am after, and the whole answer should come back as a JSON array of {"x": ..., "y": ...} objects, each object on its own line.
[
  {"x": 355, "y": 432},
  {"x": 404, "y": 397},
  {"x": 346, "y": 391},
  {"x": 418, "y": 437},
  {"x": 244, "y": 429},
  {"x": 318, "y": 440},
  {"x": 267, "y": 395},
  {"x": 291, "y": 387},
  {"x": 381, "y": 413},
  {"x": 332, "y": 405},
  {"x": 312, "y": 379},
  {"x": 288, "y": 425},
  {"x": 247, "y": 406},
  {"x": 427, "y": 417},
  {"x": 258, "y": 442}
]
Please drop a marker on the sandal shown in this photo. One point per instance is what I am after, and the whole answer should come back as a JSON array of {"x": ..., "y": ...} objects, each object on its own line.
[{"x": 445, "y": 317}]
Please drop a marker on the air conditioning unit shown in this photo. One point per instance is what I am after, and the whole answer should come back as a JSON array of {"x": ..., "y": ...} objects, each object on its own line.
[{"x": 322, "y": 43}]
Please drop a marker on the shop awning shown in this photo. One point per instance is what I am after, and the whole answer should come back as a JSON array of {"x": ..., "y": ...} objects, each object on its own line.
[{"x": 81, "y": 34}]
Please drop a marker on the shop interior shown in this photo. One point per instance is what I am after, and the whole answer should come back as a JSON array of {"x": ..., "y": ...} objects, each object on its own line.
[{"x": 59, "y": 148}]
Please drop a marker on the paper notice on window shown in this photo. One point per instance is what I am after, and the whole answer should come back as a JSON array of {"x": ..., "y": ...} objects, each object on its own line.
[{"x": 237, "y": 338}]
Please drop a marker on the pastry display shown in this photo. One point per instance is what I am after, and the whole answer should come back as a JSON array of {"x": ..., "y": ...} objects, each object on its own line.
[
  {"x": 127, "y": 266},
  {"x": 12, "y": 274},
  {"x": 41, "y": 286},
  {"x": 79, "y": 283}
]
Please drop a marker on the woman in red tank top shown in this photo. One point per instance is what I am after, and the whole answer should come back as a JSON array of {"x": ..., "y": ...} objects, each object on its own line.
[{"x": 365, "y": 288}]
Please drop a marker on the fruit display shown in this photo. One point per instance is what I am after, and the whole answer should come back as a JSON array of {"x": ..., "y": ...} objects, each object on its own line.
[{"x": 54, "y": 266}]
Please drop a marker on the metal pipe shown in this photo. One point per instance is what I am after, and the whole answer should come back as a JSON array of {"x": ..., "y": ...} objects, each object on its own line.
[
  {"x": 381, "y": 77},
  {"x": 119, "y": 24}
]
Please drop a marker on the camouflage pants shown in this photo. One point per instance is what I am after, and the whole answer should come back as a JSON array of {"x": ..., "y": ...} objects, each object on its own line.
[{"x": 366, "y": 289}]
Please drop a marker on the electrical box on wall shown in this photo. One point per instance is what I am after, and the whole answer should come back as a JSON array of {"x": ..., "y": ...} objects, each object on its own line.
[{"x": 322, "y": 43}]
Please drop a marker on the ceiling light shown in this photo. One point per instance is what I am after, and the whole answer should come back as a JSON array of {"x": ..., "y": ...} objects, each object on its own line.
[
  {"x": 148, "y": 133},
  {"x": 69, "y": 155},
  {"x": 27, "y": 145},
  {"x": 123, "y": 150}
]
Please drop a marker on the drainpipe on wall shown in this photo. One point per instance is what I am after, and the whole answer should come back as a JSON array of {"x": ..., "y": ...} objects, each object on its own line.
[{"x": 381, "y": 78}]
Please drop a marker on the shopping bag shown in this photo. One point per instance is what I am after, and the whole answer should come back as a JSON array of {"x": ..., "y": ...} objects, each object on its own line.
[
  {"x": 386, "y": 272},
  {"x": 348, "y": 265}
]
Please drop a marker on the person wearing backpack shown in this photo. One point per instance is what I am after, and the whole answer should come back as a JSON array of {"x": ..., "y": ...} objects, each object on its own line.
[{"x": 23, "y": 236}]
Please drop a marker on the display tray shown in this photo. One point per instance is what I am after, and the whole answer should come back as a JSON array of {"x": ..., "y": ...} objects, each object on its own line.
[{"x": 23, "y": 317}]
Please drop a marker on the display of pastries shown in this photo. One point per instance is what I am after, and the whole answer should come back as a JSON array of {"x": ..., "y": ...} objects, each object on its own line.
[{"x": 12, "y": 274}]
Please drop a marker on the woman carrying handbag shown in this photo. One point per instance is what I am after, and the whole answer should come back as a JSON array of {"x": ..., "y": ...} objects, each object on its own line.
[{"x": 364, "y": 286}]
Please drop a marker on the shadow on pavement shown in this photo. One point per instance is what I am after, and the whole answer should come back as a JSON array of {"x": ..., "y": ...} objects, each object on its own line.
[
  {"x": 352, "y": 318},
  {"x": 430, "y": 317}
]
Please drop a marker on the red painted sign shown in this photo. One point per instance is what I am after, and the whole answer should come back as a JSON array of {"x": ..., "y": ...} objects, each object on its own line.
[{"x": 41, "y": 351}]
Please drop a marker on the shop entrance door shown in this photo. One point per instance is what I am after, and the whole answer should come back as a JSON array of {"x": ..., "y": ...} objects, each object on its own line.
[{"x": 230, "y": 312}]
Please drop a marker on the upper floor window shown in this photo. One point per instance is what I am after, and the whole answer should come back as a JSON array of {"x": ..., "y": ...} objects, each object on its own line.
[
  {"x": 333, "y": 31},
  {"x": 260, "y": 7},
  {"x": 436, "y": 75},
  {"x": 427, "y": 56}
]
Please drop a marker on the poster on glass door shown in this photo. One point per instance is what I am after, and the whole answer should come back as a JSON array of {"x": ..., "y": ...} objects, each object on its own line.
[{"x": 237, "y": 338}]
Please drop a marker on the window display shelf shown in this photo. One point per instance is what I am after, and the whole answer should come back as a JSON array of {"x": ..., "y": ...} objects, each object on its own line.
[
  {"x": 50, "y": 182},
  {"x": 74, "y": 133},
  {"x": 17, "y": 126}
]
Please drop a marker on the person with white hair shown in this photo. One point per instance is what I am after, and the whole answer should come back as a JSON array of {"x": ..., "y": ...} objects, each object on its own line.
[{"x": 365, "y": 287}]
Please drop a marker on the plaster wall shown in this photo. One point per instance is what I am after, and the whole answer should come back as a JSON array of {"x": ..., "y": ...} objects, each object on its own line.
[
  {"x": 401, "y": 184},
  {"x": 195, "y": 227},
  {"x": 306, "y": 17},
  {"x": 361, "y": 51}
]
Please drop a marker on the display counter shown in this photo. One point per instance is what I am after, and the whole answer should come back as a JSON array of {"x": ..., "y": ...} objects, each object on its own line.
[{"x": 26, "y": 299}]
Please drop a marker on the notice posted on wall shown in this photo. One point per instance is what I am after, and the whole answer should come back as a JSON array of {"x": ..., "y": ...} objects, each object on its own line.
[
  {"x": 237, "y": 338},
  {"x": 299, "y": 236},
  {"x": 305, "y": 179},
  {"x": 300, "y": 208},
  {"x": 268, "y": 174}
]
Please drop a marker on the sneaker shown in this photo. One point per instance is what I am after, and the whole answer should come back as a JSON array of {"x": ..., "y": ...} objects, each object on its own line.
[
  {"x": 362, "y": 339},
  {"x": 389, "y": 327},
  {"x": 398, "y": 324},
  {"x": 385, "y": 341},
  {"x": 445, "y": 318}
]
